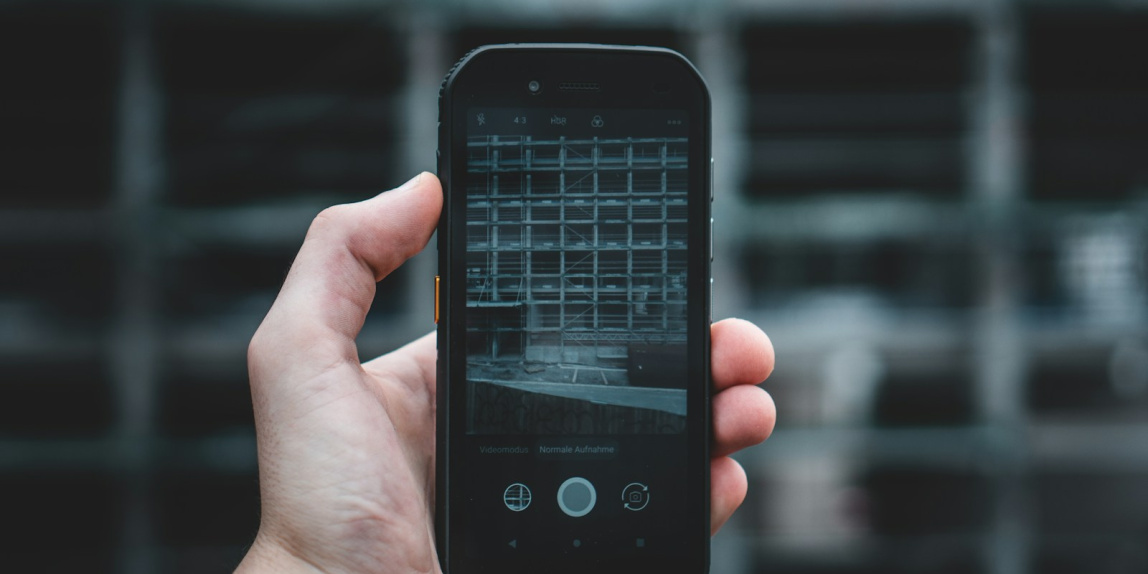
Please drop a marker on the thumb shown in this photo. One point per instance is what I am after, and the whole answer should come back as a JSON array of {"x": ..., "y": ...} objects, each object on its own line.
[{"x": 327, "y": 293}]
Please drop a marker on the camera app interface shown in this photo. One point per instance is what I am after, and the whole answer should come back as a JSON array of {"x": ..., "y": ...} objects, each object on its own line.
[{"x": 576, "y": 263}]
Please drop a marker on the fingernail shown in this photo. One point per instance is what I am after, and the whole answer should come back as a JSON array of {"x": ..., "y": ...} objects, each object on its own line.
[{"x": 412, "y": 182}]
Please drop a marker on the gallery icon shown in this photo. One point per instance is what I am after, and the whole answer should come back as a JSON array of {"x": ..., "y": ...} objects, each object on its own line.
[
  {"x": 635, "y": 496},
  {"x": 516, "y": 497}
]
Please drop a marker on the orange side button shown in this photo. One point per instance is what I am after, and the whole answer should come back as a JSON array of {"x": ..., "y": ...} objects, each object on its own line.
[{"x": 436, "y": 281}]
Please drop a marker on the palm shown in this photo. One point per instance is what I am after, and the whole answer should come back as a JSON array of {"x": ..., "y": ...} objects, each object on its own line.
[{"x": 362, "y": 467}]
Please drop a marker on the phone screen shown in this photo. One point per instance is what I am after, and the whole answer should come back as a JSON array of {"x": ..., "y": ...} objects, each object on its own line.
[{"x": 576, "y": 331}]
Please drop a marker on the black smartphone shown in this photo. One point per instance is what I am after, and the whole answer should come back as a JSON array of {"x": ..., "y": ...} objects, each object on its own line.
[{"x": 573, "y": 308}]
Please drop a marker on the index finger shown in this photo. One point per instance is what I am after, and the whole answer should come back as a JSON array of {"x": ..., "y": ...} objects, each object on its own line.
[{"x": 740, "y": 354}]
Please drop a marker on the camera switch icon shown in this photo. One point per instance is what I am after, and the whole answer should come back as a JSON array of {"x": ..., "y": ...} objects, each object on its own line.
[{"x": 635, "y": 496}]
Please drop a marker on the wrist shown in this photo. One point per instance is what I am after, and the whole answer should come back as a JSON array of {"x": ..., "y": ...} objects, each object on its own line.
[{"x": 267, "y": 555}]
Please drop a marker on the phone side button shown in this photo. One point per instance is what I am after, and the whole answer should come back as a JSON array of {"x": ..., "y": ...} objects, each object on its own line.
[
  {"x": 436, "y": 283},
  {"x": 711, "y": 180}
]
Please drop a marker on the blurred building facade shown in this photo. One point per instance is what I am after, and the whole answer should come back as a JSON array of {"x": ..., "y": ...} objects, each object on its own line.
[{"x": 936, "y": 208}]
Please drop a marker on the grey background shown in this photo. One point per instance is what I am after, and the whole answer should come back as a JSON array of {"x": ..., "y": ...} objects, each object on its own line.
[{"x": 936, "y": 209}]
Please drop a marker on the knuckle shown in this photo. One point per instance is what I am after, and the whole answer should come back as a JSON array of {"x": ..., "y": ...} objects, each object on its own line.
[
  {"x": 257, "y": 349},
  {"x": 333, "y": 217}
]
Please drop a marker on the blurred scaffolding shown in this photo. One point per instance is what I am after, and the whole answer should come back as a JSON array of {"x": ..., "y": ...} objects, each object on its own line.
[{"x": 937, "y": 209}]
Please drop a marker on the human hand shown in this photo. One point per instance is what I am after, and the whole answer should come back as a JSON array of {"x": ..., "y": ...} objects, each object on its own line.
[{"x": 346, "y": 449}]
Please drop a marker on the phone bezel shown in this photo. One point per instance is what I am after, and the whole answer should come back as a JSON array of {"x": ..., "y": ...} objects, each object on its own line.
[{"x": 629, "y": 77}]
